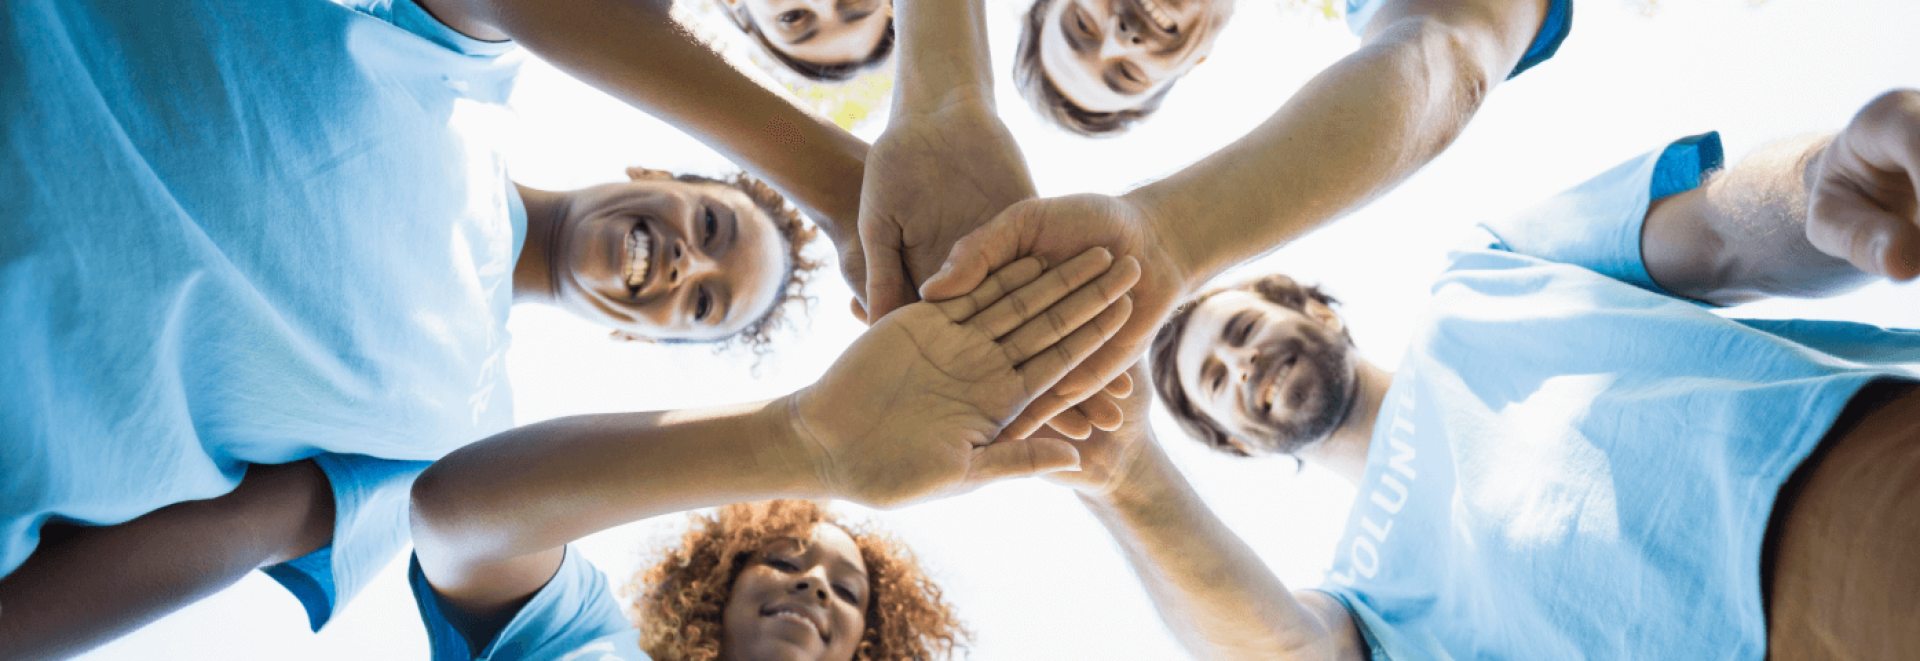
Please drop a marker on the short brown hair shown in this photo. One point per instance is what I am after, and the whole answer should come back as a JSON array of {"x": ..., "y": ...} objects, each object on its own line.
[
  {"x": 680, "y": 598},
  {"x": 1275, "y": 288},
  {"x": 757, "y": 336},
  {"x": 1045, "y": 97}
]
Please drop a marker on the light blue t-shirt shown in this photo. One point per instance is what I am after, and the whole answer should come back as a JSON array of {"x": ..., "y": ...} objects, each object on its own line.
[
  {"x": 1553, "y": 29},
  {"x": 1571, "y": 463},
  {"x": 240, "y": 232},
  {"x": 572, "y": 618}
]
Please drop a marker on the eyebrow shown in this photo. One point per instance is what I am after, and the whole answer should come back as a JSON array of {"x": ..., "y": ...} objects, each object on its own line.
[
  {"x": 1226, "y": 329},
  {"x": 723, "y": 300}
]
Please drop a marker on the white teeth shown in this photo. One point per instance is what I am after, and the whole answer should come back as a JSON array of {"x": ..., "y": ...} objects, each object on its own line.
[
  {"x": 798, "y": 618},
  {"x": 639, "y": 255},
  {"x": 1160, "y": 16}
]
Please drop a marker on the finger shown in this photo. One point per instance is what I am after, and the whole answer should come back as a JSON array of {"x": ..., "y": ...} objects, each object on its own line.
[
  {"x": 1009, "y": 278},
  {"x": 1069, "y": 423},
  {"x": 859, "y": 311},
  {"x": 1102, "y": 412},
  {"x": 973, "y": 257},
  {"x": 888, "y": 288},
  {"x": 1007, "y": 312},
  {"x": 1020, "y": 458},
  {"x": 1121, "y": 386},
  {"x": 1044, "y": 369},
  {"x": 1050, "y": 325},
  {"x": 1845, "y": 224}
]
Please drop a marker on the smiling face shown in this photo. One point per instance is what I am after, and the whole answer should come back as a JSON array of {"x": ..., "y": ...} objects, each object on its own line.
[
  {"x": 1113, "y": 55},
  {"x": 819, "y": 32},
  {"x": 1274, "y": 377},
  {"x": 668, "y": 260},
  {"x": 798, "y": 598}
]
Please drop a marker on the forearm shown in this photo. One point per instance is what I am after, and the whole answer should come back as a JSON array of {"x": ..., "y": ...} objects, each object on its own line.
[
  {"x": 1352, "y": 133},
  {"x": 943, "y": 56},
  {"x": 102, "y": 583},
  {"x": 1214, "y": 593},
  {"x": 636, "y": 52},
  {"x": 1741, "y": 235},
  {"x": 490, "y": 519}
]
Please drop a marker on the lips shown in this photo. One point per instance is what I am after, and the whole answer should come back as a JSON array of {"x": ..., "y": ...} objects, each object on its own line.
[
  {"x": 1273, "y": 373},
  {"x": 639, "y": 256},
  {"x": 797, "y": 613}
]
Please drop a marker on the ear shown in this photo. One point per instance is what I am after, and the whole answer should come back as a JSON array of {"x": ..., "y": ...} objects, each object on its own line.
[
  {"x": 1325, "y": 315},
  {"x": 638, "y": 173},
  {"x": 624, "y": 336}
]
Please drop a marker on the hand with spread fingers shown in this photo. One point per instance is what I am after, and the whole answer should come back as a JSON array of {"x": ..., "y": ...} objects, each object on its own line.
[
  {"x": 1863, "y": 206},
  {"x": 912, "y": 409},
  {"x": 1057, "y": 228}
]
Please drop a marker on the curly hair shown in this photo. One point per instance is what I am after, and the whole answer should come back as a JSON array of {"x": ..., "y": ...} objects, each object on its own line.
[
  {"x": 757, "y": 336},
  {"x": 679, "y": 600},
  {"x": 1047, "y": 100},
  {"x": 836, "y": 72},
  {"x": 1275, "y": 288}
]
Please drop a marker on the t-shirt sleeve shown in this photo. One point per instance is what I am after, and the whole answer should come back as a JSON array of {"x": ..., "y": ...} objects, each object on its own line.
[
  {"x": 369, "y": 528},
  {"x": 1385, "y": 641},
  {"x": 572, "y": 617},
  {"x": 1553, "y": 29},
  {"x": 409, "y": 16},
  {"x": 1596, "y": 225}
]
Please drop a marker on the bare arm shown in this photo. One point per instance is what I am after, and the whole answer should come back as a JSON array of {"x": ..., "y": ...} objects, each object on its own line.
[
  {"x": 1749, "y": 233},
  {"x": 907, "y": 413},
  {"x": 101, "y": 583},
  {"x": 635, "y": 51},
  {"x": 1214, "y": 593},
  {"x": 1352, "y": 133}
]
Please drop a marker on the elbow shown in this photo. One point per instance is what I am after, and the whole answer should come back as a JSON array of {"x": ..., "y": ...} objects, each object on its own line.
[
  {"x": 1452, "y": 66},
  {"x": 440, "y": 524}
]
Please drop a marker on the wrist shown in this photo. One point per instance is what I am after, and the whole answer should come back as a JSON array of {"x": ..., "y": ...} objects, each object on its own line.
[
  {"x": 1139, "y": 480},
  {"x": 1156, "y": 206},
  {"x": 801, "y": 447}
]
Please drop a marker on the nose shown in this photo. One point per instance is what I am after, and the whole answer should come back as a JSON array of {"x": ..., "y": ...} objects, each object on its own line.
[
  {"x": 1239, "y": 361},
  {"x": 1123, "y": 40},
  {"x": 812, "y": 586},
  {"x": 686, "y": 264}
]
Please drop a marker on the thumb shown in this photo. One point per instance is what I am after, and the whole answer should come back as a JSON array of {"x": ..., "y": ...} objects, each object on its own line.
[
  {"x": 1845, "y": 225},
  {"x": 972, "y": 258},
  {"x": 1020, "y": 458}
]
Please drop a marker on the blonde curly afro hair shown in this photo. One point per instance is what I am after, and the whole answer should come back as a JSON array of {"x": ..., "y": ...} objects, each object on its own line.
[{"x": 678, "y": 600}]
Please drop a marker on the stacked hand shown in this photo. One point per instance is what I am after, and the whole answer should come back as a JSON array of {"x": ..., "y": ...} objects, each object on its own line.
[
  {"x": 1863, "y": 206},
  {"x": 1058, "y": 228},
  {"x": 1107, "y": 457},
  {"x": 911, "y": 410}
]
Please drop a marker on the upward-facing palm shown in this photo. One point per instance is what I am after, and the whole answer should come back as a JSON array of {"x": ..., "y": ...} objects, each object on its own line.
[{"x": 911, "y": 409}]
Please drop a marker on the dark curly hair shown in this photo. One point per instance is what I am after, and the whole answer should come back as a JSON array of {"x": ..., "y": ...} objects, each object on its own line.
[
  {"x": 835, "y": 72},
  {"x": 797, "y": 233},
  {"x": 679, "y": 600},
  {"x": 1275, "y": 288},
  {"x": 1047, "y": 100}
]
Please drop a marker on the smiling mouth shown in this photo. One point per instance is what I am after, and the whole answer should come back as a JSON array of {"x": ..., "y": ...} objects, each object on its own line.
[
  {"x": 1276, "y": 377},
  {"x": 791, "y": 613},
  {"x": 1161, "y": 18},
  {"x": 639, "y": 256}
]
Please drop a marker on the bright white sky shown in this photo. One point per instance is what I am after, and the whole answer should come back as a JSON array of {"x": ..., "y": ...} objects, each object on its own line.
[{"x": 1030, "y": 571}]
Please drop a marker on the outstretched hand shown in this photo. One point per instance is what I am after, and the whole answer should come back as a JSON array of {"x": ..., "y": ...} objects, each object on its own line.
[
  {"x": 911, "y": 410},
  {"x": 931, "y": 179},
  {"x": 1058, "y": 228},
  {"x": 1863, "y": 206}
]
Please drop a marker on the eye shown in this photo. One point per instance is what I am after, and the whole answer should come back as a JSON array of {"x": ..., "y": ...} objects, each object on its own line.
[
  {"x": 709, "y": 228},
  {"x": 782, "y": 564},
  {"x": 847, "y": 594},
  {"x": 702, "y": 305},
  {"x": 1080, "y": 23},
  {"x": 789, "y": 18}
]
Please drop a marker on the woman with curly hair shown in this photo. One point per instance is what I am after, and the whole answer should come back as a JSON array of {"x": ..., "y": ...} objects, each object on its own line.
[
  {"x": 910, "y": 412},
  {"x": 706, "y": 594}
]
